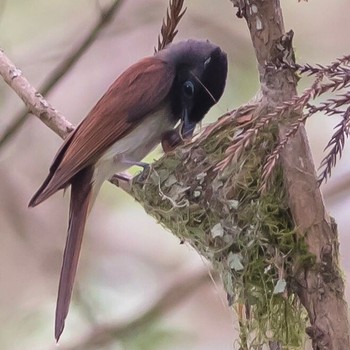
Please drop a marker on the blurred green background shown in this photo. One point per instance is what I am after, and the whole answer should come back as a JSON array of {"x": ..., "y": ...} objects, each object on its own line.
[{"x": 127, "y": 261}]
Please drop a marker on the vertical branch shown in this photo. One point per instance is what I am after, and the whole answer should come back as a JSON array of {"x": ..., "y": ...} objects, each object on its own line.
[{"x": 320, "y": 287}]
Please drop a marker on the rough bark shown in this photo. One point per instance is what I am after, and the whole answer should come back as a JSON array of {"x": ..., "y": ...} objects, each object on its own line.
[{"x": 320, "y": 288}]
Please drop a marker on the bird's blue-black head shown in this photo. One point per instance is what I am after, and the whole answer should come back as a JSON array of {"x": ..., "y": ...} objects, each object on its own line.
[{"x": 201, "y": 71}]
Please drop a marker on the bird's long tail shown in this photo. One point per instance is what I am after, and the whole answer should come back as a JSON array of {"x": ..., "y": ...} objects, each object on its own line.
[{"x": 81, "y": 193}]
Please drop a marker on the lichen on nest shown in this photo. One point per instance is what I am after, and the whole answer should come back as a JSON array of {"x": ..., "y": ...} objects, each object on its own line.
[{"x": 248, "y": 236}]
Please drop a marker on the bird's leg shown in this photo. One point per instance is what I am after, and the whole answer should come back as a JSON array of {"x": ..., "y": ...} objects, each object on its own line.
[
  {"x": 142, "y": 177},
  {"x": 131, "y": 163},
  {"x": 121, "y": 177}
]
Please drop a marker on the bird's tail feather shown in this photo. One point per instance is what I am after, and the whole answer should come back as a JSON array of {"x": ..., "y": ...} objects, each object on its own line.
[{"x": 81, "y": 191}]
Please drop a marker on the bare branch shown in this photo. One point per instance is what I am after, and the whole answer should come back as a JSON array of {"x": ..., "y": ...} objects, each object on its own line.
[
  {"x": 39, "y": 106},
  {"x": 32, "y": 99},
  {"x": 105, "y": 17}
]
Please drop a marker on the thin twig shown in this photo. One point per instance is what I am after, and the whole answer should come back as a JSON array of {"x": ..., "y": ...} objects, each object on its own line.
[{"x": 52, "y": 79}]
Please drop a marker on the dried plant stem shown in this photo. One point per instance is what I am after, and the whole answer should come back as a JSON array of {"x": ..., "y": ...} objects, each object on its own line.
[
  {"x": 335, "y": 146},
  {"x": 240, "y": 144},
  {"x": 168, "y": 30},
  {"x": 339, "y": 79},
  {"x": 331, "y": 70},
  {"x": 272, "y": 159}
]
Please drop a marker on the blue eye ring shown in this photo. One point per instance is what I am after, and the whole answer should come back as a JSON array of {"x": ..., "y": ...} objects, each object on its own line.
[{"x": 188, "y": 89}]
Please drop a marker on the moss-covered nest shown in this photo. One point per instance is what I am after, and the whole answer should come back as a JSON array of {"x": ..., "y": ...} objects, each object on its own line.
[{"x": 248, "y": 236}]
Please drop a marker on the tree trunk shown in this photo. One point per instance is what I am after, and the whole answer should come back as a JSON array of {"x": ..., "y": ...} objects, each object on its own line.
[
  {"x": 321, "y": 288},
  {"x": 203, "y": 206}
]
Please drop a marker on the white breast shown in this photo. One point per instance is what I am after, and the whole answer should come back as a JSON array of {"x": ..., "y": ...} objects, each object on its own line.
[{"x": 133, "y": 147}]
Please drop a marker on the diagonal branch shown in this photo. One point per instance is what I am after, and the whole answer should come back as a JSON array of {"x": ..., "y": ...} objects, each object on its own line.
[
  {"x": 32, "y": 99},
  {"x": 105, "y": 17}
]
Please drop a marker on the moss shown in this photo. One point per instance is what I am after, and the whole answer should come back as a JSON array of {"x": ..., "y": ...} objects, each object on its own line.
[{"x": 249, "y": 237}]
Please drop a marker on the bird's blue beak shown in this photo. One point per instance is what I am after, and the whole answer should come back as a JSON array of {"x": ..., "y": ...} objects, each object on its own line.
[{"x": 188, "y": 126}]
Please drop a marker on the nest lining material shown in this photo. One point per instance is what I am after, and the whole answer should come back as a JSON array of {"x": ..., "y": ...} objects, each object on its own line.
[{"x": 249, "y": 237}]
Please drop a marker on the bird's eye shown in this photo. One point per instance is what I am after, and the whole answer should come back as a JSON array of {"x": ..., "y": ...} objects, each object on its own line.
[{"x": 188, "y": 89}]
